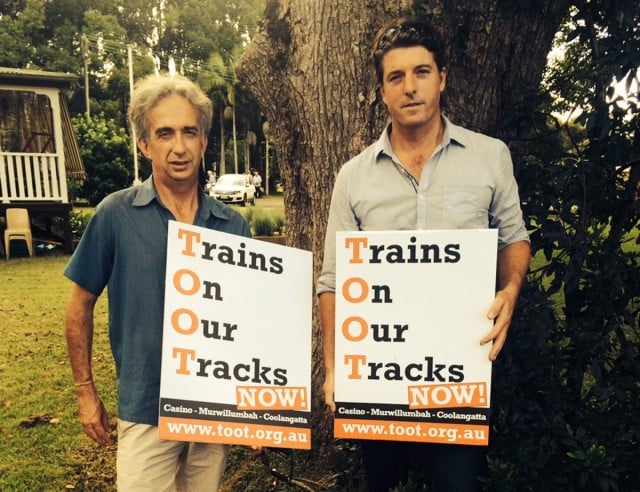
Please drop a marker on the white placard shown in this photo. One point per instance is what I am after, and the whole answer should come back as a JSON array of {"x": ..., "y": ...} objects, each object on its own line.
[
  {"x": 236, "y": 361},
  {"x": 411, "y": 308}
]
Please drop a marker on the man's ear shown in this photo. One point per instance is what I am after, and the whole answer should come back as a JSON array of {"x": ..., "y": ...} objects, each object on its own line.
[
  {"x": 381, "y": 92},
  {"x": 443, "y": 79},
  {"x": 143, "y": 145}
]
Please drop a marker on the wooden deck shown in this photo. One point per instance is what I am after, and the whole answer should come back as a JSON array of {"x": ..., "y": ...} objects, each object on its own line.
[{"x": 32, "y": 177}]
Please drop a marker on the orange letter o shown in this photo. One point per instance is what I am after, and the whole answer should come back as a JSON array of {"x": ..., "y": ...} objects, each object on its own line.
[
  {"x": 175, "y": 321},
  {"x": 364, "y": 328},
  {"x": 363, "y": 287},
  {"x": 176, "y": 282}
]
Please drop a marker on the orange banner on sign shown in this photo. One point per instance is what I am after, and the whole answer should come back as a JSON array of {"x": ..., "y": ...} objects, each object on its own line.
[
  {"x": 448, "y": 395},
  {"x": 272, "y": 398},
  {"x": 474, "y": 435}
]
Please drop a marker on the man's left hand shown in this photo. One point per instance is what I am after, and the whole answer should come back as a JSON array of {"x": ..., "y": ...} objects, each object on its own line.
[{"x": 501, "y": 312}]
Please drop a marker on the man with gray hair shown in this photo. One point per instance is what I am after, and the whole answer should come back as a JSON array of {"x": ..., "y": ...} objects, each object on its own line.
[{"x": 124, "y": 249}]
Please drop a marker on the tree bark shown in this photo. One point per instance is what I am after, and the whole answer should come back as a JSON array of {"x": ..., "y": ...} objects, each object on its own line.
[
  {"x": 309, "y": 69},
  {"x": 497, "y": 54}
]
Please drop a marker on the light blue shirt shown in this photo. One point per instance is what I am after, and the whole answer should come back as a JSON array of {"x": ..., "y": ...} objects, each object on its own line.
[{"x": 468, "y": 183}]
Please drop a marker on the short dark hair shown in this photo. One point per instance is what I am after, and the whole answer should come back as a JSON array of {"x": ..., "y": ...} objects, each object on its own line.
[{"x": 404, "y": 33}]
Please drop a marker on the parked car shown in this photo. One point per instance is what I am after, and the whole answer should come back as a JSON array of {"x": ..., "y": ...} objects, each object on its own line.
[{"x": 234, "y": 188}]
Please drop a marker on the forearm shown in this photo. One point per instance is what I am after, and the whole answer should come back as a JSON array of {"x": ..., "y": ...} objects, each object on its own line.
[
  {"x": 79, "y": 333},
  {"x": 513, "y": 265},
  {"x": 327, "y": 302}
]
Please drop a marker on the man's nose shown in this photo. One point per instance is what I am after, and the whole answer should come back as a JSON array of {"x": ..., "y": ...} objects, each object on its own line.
[
  {"x": 409, "y": 84},
  {"x": 179, "y": 145}
]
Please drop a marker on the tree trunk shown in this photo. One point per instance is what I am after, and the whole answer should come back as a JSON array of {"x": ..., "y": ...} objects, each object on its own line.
[
  {"x": 308, "y": 67},
  {"x": 222, "y": 168},
  {"x": 235, "y": 140}
]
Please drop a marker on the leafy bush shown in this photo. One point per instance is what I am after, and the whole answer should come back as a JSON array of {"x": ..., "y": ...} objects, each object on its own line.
[
  {"x": 79, "y": 221},
  {"x": 566, "y": 413},
  {"x": 278, "y": 223},
  {"x": 248, "y": 213},
  {"x": 262, "y": 225},
  {"x": 265, "y": 223},
  {"x": 106, "y": 152}
]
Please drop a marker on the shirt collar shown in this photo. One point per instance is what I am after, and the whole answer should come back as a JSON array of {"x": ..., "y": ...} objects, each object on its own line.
[
  {"x": 210, "y": 206},
  {"x": 146, "y": 193},
  {"x": 452, "y": 134}
]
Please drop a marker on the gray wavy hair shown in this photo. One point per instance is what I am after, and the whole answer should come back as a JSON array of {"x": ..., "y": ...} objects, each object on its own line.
[{"x": 151, "y": 89}]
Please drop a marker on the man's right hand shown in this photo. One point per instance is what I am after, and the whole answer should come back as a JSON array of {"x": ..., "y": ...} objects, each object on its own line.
[
  {"x": 328, "y": 388},
  {"x": 93, "y": 416},
  {"x": 327, "y": 301}
]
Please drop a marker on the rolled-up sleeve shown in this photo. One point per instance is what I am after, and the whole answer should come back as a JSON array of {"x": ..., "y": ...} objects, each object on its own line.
[
  {"x": 505, "y": 212},
  {"x": 341, "y": 218}
]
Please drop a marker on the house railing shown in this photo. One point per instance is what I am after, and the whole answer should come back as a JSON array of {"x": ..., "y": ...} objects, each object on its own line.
[{"x": 32, "y": 177}]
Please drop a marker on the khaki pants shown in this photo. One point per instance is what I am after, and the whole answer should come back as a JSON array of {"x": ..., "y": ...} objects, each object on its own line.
[{"x": 147, "y": 463}]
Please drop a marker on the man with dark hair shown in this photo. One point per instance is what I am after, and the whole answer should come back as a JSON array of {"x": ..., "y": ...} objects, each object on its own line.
[
  {"x": 124, "y": 248},
  {"x": 424, "y": 172}
]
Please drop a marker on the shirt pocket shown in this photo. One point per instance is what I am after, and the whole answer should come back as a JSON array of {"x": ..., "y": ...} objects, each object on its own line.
[{"x": 466, "y": 207}]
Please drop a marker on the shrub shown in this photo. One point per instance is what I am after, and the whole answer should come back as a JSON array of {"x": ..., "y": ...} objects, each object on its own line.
[
  {"x": 248, "y": 213},
  {"x": 278, "y": 223},
  {"x": 79, "y": 222},
  {"x": 106, "y": 153},
  {"x": 262, "y": 225},
  {"x": 265, "y": 223}
]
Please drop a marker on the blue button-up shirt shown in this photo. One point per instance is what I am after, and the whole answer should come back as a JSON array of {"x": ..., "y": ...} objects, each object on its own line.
[{"x": 124, "y": 248}]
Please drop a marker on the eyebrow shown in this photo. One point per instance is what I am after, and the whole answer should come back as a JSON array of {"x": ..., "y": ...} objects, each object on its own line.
[
  {"x": 413, "y": 69},
  {"x": 163, "y": 129}
]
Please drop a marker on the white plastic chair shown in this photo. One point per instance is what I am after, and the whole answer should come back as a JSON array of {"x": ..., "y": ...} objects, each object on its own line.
[{"x": 18, "y": 227}]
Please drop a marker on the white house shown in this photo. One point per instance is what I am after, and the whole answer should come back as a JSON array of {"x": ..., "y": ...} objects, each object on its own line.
[{"x": 38, "y": 149}]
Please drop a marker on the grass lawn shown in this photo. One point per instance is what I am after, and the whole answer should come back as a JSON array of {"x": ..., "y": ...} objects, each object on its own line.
[{"x": 42, "y": 447}]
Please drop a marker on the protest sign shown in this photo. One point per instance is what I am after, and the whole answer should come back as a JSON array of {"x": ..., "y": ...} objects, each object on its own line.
[
  {"x": 236, "y": 349},
  {"x": 411, "y": 309}
]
